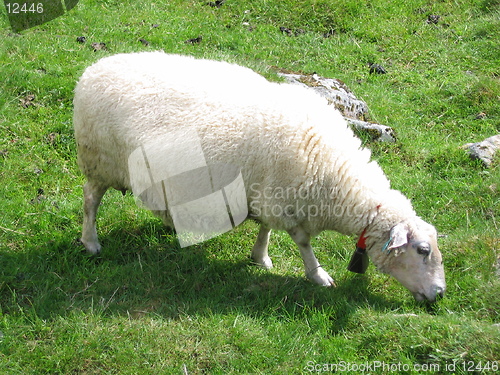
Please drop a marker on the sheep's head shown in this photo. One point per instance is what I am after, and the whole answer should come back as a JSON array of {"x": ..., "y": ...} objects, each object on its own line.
[{"x": 409, "y": 253}]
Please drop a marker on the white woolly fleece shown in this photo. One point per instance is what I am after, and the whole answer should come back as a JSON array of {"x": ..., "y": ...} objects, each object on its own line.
[{"x": 281, "y": 136}]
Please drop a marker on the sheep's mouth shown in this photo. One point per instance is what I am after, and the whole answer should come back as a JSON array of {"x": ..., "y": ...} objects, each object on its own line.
[{"x": 419, "y": 297}]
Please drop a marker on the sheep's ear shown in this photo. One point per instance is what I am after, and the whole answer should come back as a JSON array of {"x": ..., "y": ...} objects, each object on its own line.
[{"x": 398, "y": 236}]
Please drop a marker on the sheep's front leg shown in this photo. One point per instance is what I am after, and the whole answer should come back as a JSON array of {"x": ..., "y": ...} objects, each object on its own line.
[
  {"x": 259, "y": 251},
  {"x": 92, "y": 195},
  {"x": 313, "y": 269}
]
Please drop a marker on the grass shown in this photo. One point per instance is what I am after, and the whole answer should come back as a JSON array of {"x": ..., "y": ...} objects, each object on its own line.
[{"x": 145, "y": 305}]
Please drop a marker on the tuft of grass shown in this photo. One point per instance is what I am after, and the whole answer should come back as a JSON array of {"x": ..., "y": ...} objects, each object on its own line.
[{"x": 147, "y": 306}]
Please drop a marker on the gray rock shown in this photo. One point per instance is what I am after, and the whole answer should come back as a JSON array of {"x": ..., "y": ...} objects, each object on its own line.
[
  {"x": 485, "y": 150},
  {"x": 377, "y": 132},
  {"x": 354, "y": 110},
  {"x": 334, "y": 90}
]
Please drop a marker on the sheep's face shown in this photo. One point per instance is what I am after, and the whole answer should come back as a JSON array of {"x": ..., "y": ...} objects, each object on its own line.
[{"x": 411, "y": 255}]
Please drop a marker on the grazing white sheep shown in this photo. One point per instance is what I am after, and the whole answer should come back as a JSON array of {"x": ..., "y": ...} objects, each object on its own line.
[{"x": 301, "y": 167}]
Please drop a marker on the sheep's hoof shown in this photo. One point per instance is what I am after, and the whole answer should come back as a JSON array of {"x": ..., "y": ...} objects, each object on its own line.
[
  {"x": 321, "y": 277},
  {"x": 265, "y": 263},
  {"x": 91, "y": 247}
]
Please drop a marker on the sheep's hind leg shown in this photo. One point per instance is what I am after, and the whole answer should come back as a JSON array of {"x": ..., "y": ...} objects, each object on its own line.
[
  {"x": 313, "y": 269},
  {"x": 259, "y": 251},
  {"x": 92, "y": 195}
]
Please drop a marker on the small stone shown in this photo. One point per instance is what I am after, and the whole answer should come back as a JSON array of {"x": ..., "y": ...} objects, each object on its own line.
[
  {"x": 286, "y": 30},
  {"x": 216, "y": 4},
  {"x": 376, "y": 68},
  {"x": 27, "y": 101},
  {"x": 485, "y": 150},
  {"x": 433, "y": 19},
  {"x": 290, "y": 32},
  {"x": 377, "y": 132},
  {"x": 99, "y": 47},
  {"x": 196, "y": 40}
]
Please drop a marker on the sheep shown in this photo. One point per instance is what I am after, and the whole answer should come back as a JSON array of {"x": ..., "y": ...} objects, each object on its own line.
[{"x": 161, "y": 125}]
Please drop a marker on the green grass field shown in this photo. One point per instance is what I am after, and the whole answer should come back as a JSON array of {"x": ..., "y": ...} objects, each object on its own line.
[{"x": 146, "y": 306}]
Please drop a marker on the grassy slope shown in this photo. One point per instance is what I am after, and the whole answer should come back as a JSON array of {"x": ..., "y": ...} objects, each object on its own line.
[{"x": 146, "y": 306}]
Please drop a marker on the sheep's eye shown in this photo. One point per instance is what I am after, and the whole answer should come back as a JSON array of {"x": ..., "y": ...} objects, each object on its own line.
[{"x": 424, "y": 248}]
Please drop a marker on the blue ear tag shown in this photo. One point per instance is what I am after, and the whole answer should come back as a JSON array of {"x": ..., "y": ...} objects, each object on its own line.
[{"x": 384, "y": 248}]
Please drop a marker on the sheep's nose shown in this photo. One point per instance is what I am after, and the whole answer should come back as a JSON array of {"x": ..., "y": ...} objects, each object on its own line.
[
  {"x": 440, "y": 291},
  {"x": 437, "y": 291}
]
